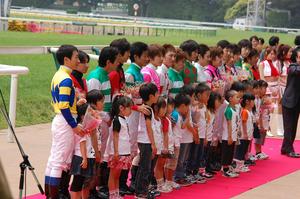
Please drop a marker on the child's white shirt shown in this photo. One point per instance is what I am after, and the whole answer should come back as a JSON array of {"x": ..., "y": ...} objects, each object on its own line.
[
  {"x": 142, "y": 129},
  {"x": 210, "y": 126},
  {"x": 119, "y": 123},
  {"x": 186, "y": 135},
  {"x": 158, "y": 135},
  {"x": 232, "y": 115},
  {"x": 202, "y": 122},
  {"x": 89, "y": 147},
  {"x": 265, "y": 117},
  {"x": 248, "y": 116}
]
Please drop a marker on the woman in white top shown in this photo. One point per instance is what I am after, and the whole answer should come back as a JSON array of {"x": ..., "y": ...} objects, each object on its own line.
[
  {"x": 284, "y": 61},
  {"x": 269, "y": 72}
]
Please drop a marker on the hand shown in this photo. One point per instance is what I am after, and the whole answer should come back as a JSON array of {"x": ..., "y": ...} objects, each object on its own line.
[
  {"x": 165, "y": 151},
  {"x": 205, "y": 142},
  {"x": 196, "y": 139},
  {"x": 78, "y": 130},
  {"x": 230, "y": 141},
  {"x": 109, "y": 122},
  {"x": 154, "y": 150},
  {"x": 132, "y": 155},
  {"x": 116, "y": 157},
  {"x": 98, "y": 156},
  {"x": 81, "y": 101},
  {"x": 262, "y": 130},
  {"x": 245, "y": 137},
  {"x": 84, "y": 163},
  {"x": 144, "y": 109}
]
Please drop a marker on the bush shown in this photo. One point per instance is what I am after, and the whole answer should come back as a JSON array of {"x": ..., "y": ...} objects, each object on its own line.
[{"x": 17, "y": 26}]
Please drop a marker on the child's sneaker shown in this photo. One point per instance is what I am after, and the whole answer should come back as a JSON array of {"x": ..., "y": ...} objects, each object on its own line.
[
  {"x": 269, "y": 134},
  {"x": 262, "y": 156},
  {"x": 184, "y": 182},
  {"x": 199, "y": 179},
  {"x": 173, "y": 184},
  {"x": 193, "y": 179},
  {"x": 250, "y": 162},
  {"x": 244, "y": 169},
  {"x": 143, "y": 196},
  {"x": 252, "y": 157},
  {"x": 207, "y": 175},
  {"x": 230, "y": 174},
  {"x": 164, "y": 188}
]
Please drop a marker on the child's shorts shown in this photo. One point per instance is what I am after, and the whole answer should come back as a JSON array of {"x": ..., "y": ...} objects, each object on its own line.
[
  {"x": 172, "y": 163},
  {"x": 260, "y": 140},
  {"x": 124, "y": 162},
  {"x": 76, "y": 169},
  {"x": 256, "y": 132}
]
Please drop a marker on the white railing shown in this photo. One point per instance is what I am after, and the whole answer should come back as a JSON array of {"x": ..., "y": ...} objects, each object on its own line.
[
  {"x": 92, "y": 56},
  {"x": 14, "y": 72}
]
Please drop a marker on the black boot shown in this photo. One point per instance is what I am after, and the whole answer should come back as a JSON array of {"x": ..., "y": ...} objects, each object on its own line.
[
  {"x": 53, "y": 192},
  {"x": 64, "y": 185}
]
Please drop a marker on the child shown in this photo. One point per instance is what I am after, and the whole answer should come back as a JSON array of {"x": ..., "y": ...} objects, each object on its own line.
[
  {"x": 240, "y": 88},
  {"x": 199, "y": 116},
  {"x": 176, "y": 81},
  {"x": 229, "y": 136},
  {"x": 96, "y": 100},
  {"x": 182, "y": 104},
  {"x": 155, "y": 53},
  {"x": 146, "y": 142},
  {"x": 264, "y": 120},
  {"x": 189, "y": 72},
  {"x": 118, "y": 147},
  {"x": 174, "y": 142},
  {"x": 247, "y": 132},
  {"x": 82, "y": 166},
  {"x": 202, "y": 94},
  {"x": 98, "y": 79},
  {"x": 213, "y": 104},
  {"x": 188, "y": 136},
  {"x": 161, "y": 138},
  {"x": 162, "y": 71}
]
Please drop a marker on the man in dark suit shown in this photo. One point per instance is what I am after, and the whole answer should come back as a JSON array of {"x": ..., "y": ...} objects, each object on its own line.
[{"x": 291, "y": 106}]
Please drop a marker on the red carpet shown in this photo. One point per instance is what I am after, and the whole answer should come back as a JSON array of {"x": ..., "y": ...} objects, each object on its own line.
[{"x": 221, "y": 187}]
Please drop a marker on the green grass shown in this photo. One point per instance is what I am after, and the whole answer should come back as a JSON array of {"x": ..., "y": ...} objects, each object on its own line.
[
  {"x": 33, "y": 104},
  {"x": 44, "y": 39}
]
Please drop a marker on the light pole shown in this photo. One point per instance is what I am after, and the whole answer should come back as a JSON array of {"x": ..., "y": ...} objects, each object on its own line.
[{"x": 135, "y": 8}]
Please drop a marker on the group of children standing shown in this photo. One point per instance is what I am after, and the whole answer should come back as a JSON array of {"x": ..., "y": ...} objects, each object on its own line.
[{"x": 169, "y": 123}]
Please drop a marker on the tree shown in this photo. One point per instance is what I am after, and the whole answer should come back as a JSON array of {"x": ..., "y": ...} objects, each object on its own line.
[{"x": 237, "y": 10}]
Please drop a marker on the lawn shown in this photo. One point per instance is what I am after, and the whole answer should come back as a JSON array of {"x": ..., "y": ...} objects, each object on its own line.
[{"x": 33, "y": 105}]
